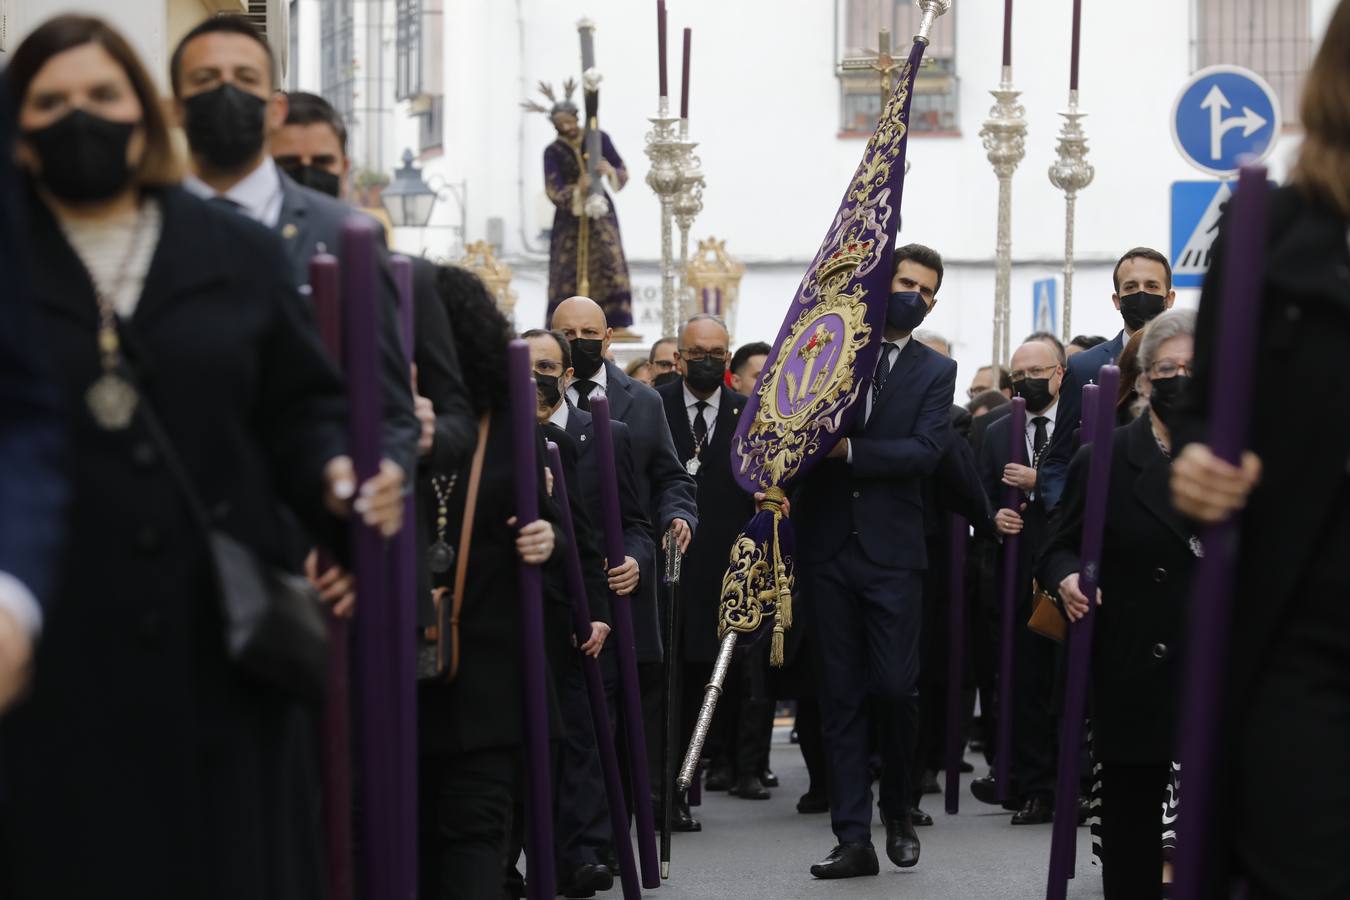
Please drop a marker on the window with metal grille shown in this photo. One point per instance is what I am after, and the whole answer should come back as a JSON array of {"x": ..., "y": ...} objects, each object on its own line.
[
  {"x": 337, "y": 76},
  {"x": 934, "y": 108},
  {"x": 1271, "y": 37},
  {"x": 408, "y": 49}
]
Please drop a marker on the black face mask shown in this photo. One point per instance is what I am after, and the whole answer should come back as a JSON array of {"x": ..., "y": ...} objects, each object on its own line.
[
  {"x": 665, "y": 378},
  {"x": 225, "y": 125},
  {"x": 705, "y": 374},
  {"x": 588, "y": 355},
  {"x": 1167, "y": 396},
  {"x": 549, "y": 388},
  {"x": 1036, "y": 391},
  {"x": 321, "y": 180},
  {"x": 83, "y": 156},
  {"x": 1140, "y": 308},
  {"x": 905, "y": 310}
]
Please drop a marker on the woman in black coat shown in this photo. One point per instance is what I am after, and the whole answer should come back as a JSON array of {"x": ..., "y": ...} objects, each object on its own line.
[
  {"x": 1284, "y": 817},
  {"x": 471, "y": 729},
  {"x": 1147, "y": 556},
  {"x": 145, "y": 763}
]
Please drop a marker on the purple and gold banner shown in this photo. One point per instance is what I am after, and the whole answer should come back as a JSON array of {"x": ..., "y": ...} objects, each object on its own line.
[{"x": 820, "y": 366}]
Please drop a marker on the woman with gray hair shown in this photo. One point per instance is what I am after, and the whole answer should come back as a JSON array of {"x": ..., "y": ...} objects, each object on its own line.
[{"x": 1147, "y": 557}]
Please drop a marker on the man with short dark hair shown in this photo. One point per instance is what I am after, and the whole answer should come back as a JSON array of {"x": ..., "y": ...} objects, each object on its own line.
[
  {"x": 860, "y": 557},
  {"x": 662, "y": 361},
  {"x": 312, "y": 146},
  {"x": 223, "y": 78},
  {"x": 1081, "y": 342},
  {"x": 990, "y": 378},
  {"x": 1143, "y": 289},
  {"x": 746, "y": 364}
]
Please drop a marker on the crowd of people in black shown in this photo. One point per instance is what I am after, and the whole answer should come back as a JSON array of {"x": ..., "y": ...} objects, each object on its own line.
[{"x": 165, "y": 387}]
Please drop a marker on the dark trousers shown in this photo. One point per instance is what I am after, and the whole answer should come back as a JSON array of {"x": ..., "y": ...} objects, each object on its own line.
[
  {"x": 1131, "y": 810},
  {"x": 464, "y": 822},
  {"x": 582, "y": 825},
  {"x": 738, "y": 739},
  {"x": 984, "y": 633},
  {"x": 867, "y": 620},
  {"x": 1291, "y": 842},
  {"x": 811, "y": 741},
  {"x": 1035, "y": 740}
]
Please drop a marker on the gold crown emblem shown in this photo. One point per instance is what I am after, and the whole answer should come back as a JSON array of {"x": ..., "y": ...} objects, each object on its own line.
[{"x": 849, "y": 256}]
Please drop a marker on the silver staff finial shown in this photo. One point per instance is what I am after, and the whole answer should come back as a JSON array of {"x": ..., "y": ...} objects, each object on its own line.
[{"x": 931, "y": 10}]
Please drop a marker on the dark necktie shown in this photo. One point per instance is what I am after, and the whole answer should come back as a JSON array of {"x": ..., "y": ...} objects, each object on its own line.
[
  {"x": 883, "y": 370},
  {"x": 1038, "y": 439},
  {"x": 584, "y": 389},
  {"x": 700, "y": 423},
  {"x": 220, "y": 201}
]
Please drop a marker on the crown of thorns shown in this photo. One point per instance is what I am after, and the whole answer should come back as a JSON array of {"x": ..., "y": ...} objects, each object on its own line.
[{"x": 556, "y": 106}]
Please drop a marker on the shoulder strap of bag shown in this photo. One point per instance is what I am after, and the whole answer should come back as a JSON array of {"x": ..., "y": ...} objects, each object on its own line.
[{"x": 465, "y": 544}]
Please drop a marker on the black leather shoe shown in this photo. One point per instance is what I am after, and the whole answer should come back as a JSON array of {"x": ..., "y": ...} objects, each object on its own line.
[
  {"x": 811, "y": 802},
  {"x": 902, "y": 843},
  {"x": 610, "y": 860},
  {"x": 1036, "y": 811},
  {"x": 920, "y": 818},
  {"x": 848, "y": 861},
  {"x": 748, "y": 787},
  {"x": 768, "y": 779},
  {"x": 682, "y": 819},
  {"x": 986, "y": 791},
  {"x": 928, "y": 784},
  {"x": 586, "y": 880},
  {"x": 966, "y": 768},
  {"x": 719, "y": 779}
]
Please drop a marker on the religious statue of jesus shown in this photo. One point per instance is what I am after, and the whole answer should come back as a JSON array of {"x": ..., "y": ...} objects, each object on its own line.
[{"x": 586, "y": 251}]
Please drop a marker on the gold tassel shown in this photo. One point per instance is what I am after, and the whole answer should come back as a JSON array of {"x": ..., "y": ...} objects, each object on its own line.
[{"x": 776, "y": 648}]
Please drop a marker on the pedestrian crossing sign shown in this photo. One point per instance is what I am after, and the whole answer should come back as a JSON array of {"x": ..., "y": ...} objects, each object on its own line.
[
  {"x": 1044, "y": 306},
  {"x": 1196, "y": 207}
]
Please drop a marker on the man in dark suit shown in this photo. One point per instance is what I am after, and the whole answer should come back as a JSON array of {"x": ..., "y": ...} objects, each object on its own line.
[
  {"x": 1143, "y": 282},
  {"x": 861, "y": 556},
  {"x": 703, "y": 414},
  {"x": 32, "y": 483},
  {"x": 583, "y": 833},
  {"x": 666, "y": 490},
  {"x": 222, "y": 74},
  {"x": 1037, "y": 372}
]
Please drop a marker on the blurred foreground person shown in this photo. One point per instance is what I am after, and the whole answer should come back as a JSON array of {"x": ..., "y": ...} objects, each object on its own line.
[
  {"x": 147, "y": 763},
  {"x": 1288, "y": 687}
]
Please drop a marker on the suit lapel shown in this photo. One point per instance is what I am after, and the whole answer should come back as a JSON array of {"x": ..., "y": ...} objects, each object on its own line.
[
  {"x": 618, "y": 391},
  {"x": 179, "y": 266},
  {"x": 904, "y": 365},
  {"x": 295, "y": 226},
  {"x": 579, "y": 427},
  {"x": 728, "y": 417},
  {"x": 1153, "y": 485},
  {"x": 678, "y": 416}
]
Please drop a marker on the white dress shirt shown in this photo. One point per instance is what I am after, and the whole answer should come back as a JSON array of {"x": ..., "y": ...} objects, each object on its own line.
[
  {"x": 895, "y": 348},
  {"x": 17, "y": 600},
  {"x": 600, "y": 379},
  {"x": 559, "y": 416},
  {"x": 1049, "y": 414},
  {"x": 258, "y": 193},
  {"x": 709, "y": 412}
]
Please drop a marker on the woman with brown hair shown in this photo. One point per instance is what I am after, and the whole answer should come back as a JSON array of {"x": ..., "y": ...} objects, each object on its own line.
[
  {"x": 145, "y": 762},
  {"x": 1288, "y": 685}
]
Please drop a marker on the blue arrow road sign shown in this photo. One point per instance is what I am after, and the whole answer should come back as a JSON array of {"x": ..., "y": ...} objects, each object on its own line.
[
  {"x": 1222, "y": 115},
  {"x": 1044, "y": 307}
]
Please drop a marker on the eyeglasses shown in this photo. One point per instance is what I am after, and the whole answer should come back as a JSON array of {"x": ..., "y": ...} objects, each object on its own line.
[
  {"x": 663, "y": 365},
  {"x": 1035, "y": 372},
  {"x": 1164, "y": 369},
  {"x": 974, "y": 391},
  {"x": 697, "y": 354}
]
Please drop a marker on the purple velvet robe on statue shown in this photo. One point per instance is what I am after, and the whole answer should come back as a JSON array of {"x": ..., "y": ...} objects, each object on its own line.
[{"x": 607, "y": 267}]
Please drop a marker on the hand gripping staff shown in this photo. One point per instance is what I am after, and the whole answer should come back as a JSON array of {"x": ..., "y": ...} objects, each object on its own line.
[{"x": 806, "y": 397}]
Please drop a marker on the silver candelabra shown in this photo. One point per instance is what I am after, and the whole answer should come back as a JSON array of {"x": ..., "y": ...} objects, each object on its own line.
[
  {"x": 1071, "y": 173},
  {"x": 1004, "y": 134},
  {"x": 678, "y": 183},
  {"x": 688, "y": 204}
]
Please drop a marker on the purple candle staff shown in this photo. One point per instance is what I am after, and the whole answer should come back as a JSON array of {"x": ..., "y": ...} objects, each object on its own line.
[
  {"x": 956, "y": 640},
  {"x": 1077, "y": 41},
  {"x": 530, "y": 584},
  {"x": 1211, "y": 614},
  {"x": 684, "y": 77},
  {"x": 625, "y": 649},
  {"x": 1012, "y": 499},
  {"x": 661, "y": 46},
  {"x": 1007, "y": 33},
  {"x": 403, "y": 622},
  {"x": 1097, "y": 431},
  {"x": 372, "y": 663},
  {"x": 595, "y": 687},
  {"x": 335, "y": 759}
]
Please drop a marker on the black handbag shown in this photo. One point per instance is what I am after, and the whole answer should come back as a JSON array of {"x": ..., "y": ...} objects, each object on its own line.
[{"x": 274, "y": 622}]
